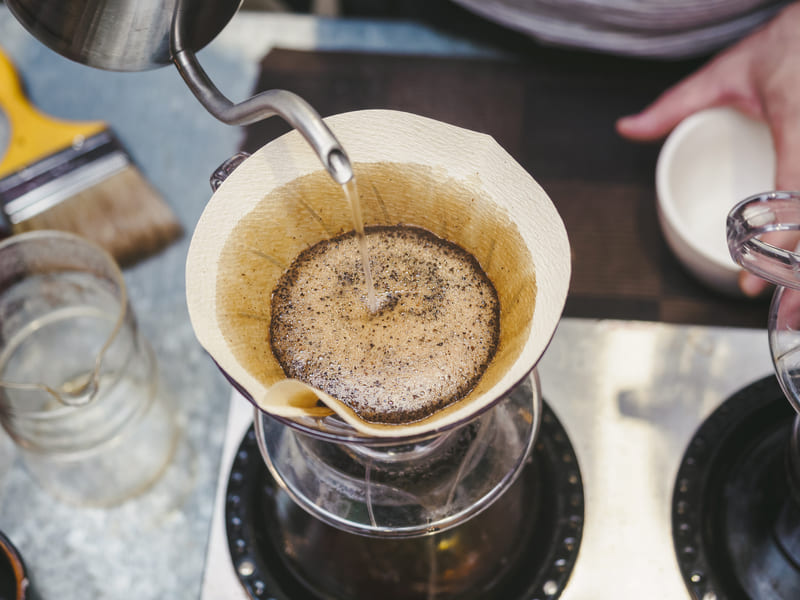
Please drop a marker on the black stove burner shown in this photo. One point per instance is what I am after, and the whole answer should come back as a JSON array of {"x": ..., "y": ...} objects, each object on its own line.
[
  {"x": 548, "y": 495},
  {"x": 730, "y": 501}
]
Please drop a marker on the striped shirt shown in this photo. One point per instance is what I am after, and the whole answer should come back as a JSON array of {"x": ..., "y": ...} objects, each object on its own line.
[{"x": 647, "y": 28}]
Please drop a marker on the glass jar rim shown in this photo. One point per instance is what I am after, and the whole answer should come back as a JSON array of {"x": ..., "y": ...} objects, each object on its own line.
[{"x": 112, "y": 272}]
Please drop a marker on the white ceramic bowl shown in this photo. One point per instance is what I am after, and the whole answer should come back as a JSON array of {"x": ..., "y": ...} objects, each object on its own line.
[{"x": 710, "y": 161}]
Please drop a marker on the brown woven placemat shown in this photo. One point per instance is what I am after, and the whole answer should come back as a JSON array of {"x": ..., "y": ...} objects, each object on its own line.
[{"x": 554, "y": 111}]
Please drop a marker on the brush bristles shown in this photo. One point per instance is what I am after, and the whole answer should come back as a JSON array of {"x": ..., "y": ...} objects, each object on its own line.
[{"x": 123, "y": 214}]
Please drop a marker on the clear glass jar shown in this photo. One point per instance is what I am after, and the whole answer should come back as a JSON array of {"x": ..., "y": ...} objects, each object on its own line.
[{"x": 79, "y": 387}]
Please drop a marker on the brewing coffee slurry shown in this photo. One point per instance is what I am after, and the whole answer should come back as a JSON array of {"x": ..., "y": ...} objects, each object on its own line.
[
  {"x": 435, "y": 331},
  {"x": 296, "y": 216},
  {"x": 458, "y": 184}
]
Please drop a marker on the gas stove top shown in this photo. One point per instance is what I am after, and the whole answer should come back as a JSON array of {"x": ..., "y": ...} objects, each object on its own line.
[{"x": 630, "y": 396}]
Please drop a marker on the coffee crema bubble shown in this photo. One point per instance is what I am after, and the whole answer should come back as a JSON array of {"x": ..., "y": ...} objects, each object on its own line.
[{"x": 434, "y": 333}]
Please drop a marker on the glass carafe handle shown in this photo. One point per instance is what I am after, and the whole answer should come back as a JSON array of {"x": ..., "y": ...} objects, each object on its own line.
[
  {"x": 755, "y": 216},
  {"x": 748, "y": 222}
]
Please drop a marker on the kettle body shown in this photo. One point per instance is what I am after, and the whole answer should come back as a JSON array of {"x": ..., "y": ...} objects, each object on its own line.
[
  {"x": 137, "y": 35},
  {"x": 121, "y": 35}
]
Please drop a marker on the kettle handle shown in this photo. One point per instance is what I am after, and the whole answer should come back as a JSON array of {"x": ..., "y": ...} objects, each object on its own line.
[{"x": 768, "y": 213}]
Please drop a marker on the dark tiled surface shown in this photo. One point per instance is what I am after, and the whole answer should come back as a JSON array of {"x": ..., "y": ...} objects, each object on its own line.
[{"x": 554, "y": 111}]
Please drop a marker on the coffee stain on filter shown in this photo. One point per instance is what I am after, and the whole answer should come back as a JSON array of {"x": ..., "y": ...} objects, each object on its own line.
[{"x": 458, "y": 184}]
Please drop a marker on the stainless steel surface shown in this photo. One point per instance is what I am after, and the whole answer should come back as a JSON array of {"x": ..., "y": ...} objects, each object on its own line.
[
  {"x": 630, "y": 395},
  {"x": 121, "y": 35}
]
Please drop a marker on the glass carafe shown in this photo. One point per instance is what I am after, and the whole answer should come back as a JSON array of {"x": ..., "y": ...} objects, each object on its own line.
[
  {"x": 757, "y": 229},
  {"x": 756, "y": 226}
]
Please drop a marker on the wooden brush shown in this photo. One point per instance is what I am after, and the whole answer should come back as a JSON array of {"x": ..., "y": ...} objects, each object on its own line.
[{"x": 75, "y": 176}]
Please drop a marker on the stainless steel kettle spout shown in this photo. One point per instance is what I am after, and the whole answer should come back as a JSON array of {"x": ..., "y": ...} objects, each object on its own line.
[{"x": 291, "y": 107}]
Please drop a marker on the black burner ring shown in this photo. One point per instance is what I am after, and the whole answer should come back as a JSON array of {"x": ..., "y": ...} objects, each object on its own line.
[
  {"x": 731, "y": 487},
  {"x": 542, "y": 572}
]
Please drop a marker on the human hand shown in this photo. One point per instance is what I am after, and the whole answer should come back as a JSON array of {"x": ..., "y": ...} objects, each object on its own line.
[{"x": 759, "y": 76}]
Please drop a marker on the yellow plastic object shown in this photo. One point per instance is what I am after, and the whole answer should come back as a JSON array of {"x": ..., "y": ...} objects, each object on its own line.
[{"x": 34, "y": 135}]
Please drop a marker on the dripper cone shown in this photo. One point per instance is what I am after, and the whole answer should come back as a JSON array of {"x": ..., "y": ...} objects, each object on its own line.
[{"x": 458, "y": 184}]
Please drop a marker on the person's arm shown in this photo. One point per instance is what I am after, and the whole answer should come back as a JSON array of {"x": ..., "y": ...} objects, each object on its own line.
[{"x": 761, "y": 77}]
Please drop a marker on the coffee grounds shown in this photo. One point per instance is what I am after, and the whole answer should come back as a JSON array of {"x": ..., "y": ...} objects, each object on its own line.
[{"x": 434, "y": 333}]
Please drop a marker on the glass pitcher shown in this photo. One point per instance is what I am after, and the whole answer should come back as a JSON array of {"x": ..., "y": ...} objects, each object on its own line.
[
  {"x": 757, "y": 228},
  {"x": 752, "y": 225},
  {"x": 79, "y": 384}
]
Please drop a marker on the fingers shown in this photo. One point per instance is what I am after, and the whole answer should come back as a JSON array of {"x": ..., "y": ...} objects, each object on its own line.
[
  {"x": 724, "y": 81},
  {"x": 760, "y": 76},
  {"x": 787, "y": 169},
  {"x": 783, "y": 112},
  {"x": 776, "y": 75},
  {"x": 786, "y": 136},
  {"x": 658, "y": 119},
  {"x": 751, "y": 285}
]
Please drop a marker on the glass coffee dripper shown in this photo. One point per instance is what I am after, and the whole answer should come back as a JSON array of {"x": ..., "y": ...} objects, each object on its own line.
[
  {"x": 435, "y": 506},
  {"x": 444, "y": 516},
  {"x": 401, "y": 487}
]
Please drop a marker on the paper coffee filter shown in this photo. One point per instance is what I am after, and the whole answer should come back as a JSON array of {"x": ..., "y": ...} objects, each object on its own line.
[{"x": 411, "y": 170}]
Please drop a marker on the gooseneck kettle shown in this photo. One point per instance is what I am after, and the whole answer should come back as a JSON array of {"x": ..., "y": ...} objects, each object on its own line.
[{"x": 136, "y": 35}]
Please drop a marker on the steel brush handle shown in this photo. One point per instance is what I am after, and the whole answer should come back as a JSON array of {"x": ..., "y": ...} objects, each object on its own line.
[{"x": 291, "y": 107}]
